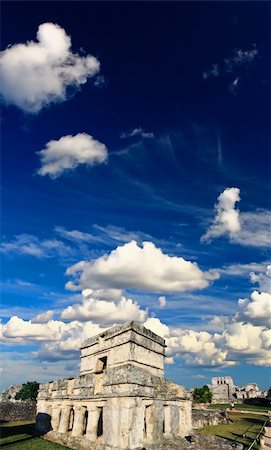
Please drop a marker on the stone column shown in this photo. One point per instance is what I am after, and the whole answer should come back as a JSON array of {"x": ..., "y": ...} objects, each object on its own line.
[
  {"x": 55, "y": 417},
  {"x": 78, "y": 423},
  {"x": 93, "y": 417},
  {"x": 124, "y": 423},
  {"x": 185, "y": 418},
  {"x": 65, "y": 419},
  {"x": 156, "y": 421},
  {"x": 167, "y": 419}
]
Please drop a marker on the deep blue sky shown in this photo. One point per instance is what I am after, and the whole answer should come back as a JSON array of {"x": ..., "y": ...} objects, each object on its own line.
[{"x": 203, "y": 134}]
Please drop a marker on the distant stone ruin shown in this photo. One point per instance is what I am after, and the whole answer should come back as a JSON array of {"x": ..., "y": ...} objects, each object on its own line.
[
  {"x": 120, "y": 401},
  {"x": 224, "y": 391}
]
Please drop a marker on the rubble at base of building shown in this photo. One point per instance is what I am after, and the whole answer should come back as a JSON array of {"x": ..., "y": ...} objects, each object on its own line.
[
  {"x": 120, "y": 401},
  {"x": 191, "y": 442}
]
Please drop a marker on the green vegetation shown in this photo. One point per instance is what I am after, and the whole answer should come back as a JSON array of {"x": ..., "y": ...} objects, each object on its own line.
[
  {"x": 21, "y": 436},
  {"x": 29, "y": 391},
  {"x": 202, "y": 395},
  {"x": 243, "y": 429},
  {"x": 241, "y": 406}
]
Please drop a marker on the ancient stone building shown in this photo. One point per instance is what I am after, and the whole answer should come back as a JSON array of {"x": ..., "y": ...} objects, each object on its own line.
[
  {"x": 120, "y": 399},
  {"x": 222, "y": 389}
]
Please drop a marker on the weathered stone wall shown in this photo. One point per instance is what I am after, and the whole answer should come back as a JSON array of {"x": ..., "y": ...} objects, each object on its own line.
[
  {"x": 17, "y": 410},
  {"x": 121, "y": 344},
  {"x": 10, "y": 392},
  {"x": 202, "y": 418}
]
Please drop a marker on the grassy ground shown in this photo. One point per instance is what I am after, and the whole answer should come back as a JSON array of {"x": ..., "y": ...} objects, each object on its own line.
[
  {"x": 243, "y": 429},
  {"x": 21, "y": 436},
  {"x": 242, "y": 407}
]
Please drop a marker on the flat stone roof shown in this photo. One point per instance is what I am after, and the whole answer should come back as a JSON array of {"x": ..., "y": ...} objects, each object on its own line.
[{"x": 119, "y": 329}]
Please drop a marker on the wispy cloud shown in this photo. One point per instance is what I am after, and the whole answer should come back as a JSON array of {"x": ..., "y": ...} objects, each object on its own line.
[
  {"x": 233, "y": 66},
  {"x": 138, "y": 132},
  {"x": 27, "y": 244},
  {"x": 244, "y": 270}
]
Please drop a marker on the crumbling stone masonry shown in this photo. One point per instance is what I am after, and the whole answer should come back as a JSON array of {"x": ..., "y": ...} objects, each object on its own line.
[{"x": 120, "y": 401}]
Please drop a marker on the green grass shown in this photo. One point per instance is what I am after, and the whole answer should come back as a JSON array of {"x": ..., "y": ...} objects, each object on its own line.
[
  {"x": 21, "y": 436},
  {"x": 242, "y": 407},
  {"x": 243, "y": 429}
]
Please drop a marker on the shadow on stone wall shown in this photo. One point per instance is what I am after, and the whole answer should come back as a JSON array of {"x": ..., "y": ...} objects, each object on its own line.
[{"x": 43, "y": 424}]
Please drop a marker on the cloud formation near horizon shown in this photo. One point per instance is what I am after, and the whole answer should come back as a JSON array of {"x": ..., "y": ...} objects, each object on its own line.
[
  {"x": 36, "y": 74},
  {"x": 143, "y": 268},
  {"x": 244, "y": 336},
  {"x": 69, "y": 152}
]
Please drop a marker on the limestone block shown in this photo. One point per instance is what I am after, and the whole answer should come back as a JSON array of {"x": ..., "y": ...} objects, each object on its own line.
[
  {"x": 128, "y": 373},
  {"x": 267, "y": 441}
]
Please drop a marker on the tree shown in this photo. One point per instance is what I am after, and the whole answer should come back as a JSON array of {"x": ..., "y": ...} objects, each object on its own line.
[
  {"x": 29, "y": 391},
  {"x": 269, "y": 394},
  {"x": 202, "y": 395}
]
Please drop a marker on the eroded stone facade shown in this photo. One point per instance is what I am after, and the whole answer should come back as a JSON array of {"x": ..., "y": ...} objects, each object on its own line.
[{"x": 120, "y": 399}]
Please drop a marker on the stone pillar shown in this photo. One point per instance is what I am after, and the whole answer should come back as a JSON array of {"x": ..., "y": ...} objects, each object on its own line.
[
  {"x": 124, "y": 423},
  {"x": 93, "y": 417},
  {"x": 55, "y": 417},
  {"x": 154, "y": 416},
  {"x": 78, "y": 423},
  {"x": 185, "y": 418},
  {"x": 174, "y": 419},
  {"x": 65, "y": 419},
  {"x": 157, "y": 419},
  {"x": 167, "y": 419}
]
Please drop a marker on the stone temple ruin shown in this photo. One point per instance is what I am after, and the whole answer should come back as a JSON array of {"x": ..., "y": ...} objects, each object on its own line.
[
  {"x": 224, "y": 391},
  {"x": 120, "y": 401}
]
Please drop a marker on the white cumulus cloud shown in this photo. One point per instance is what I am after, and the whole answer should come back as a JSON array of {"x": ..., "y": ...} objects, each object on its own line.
[
  {"x": 104, "y": 312},
  {"x": 227, "y": 219},
  {"x": 43, "y": 317},
  {"x": 156, "y": 326},
  {"x": 143, "y": 268},
  {"x": 248, "y": 228},
  {"x": 69, "y": 152},
  {"x": 257, "y": 310},
  {"x": 162, "y": 301},
  {"x": 35, "y": 74}
]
